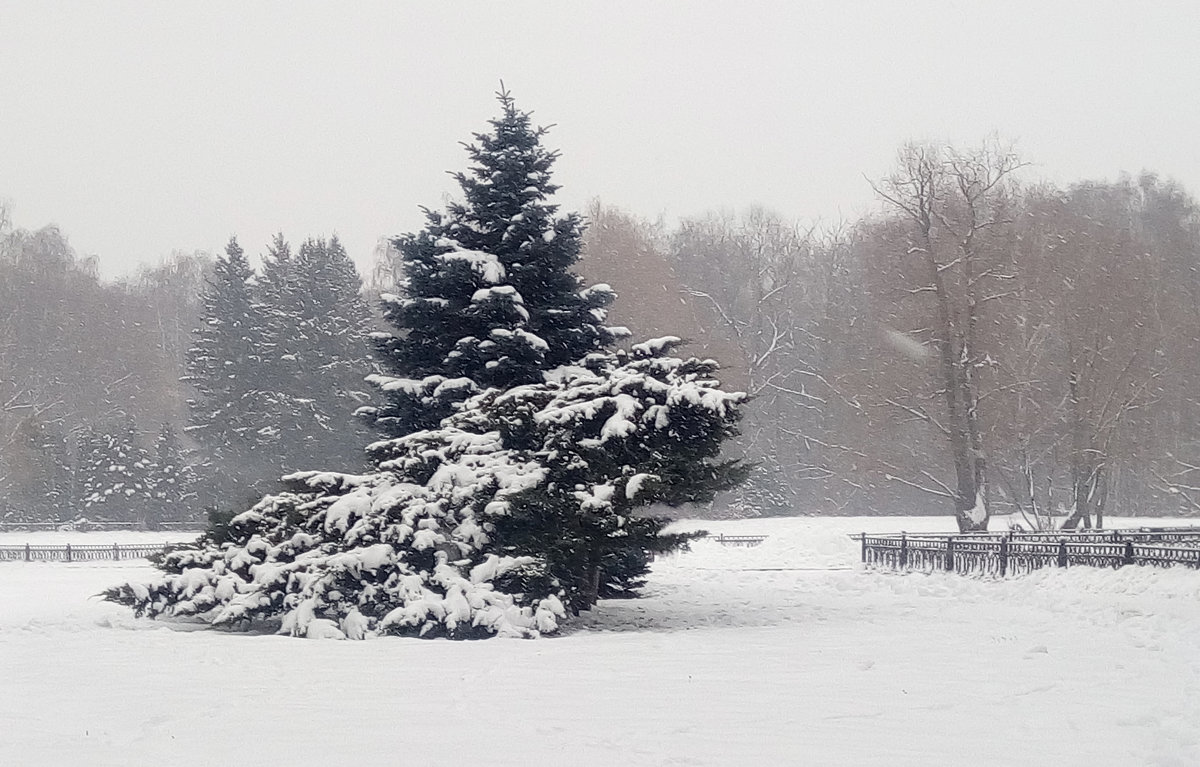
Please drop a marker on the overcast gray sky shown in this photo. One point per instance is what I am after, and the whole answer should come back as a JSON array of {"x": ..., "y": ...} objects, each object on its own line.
[{"x": 145, "y": 127}]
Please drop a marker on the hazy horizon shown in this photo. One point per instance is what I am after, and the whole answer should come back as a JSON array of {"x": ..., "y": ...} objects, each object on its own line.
[{"x": 143, "y": 128}]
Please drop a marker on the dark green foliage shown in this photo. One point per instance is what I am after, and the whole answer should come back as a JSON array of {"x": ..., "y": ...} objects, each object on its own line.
[
  {"x": 317, "y": 330},
  {"x": 488, "y": 294},
  {"x": 611, "y": 450},
  {"x": 217, "y": 531},
  {"x": 172, "y": 481},
  {"x": 460, "y": 534},
  {"x": 116, "y": 479},
  {"x": 114, "y": 473},
  {"x": 277, "y": 367},
  {"x": 228, "y": 369}
]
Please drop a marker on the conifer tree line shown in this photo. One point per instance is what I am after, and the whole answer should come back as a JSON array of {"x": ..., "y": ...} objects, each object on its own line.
[
  {"x": 276, "y": 369},
  {"x": 188, "y": 387},
  {"x": 979, "y": 343}
]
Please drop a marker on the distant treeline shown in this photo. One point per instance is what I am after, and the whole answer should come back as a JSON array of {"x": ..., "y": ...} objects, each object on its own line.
[
  {"x": 190, "y": 386},
  {"x": 978, "y": 345}
]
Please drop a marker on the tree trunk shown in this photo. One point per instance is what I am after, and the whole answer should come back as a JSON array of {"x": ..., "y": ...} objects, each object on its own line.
[
  {"x": 1090, "y": 490},
  {"x": 593, "y": 590},
  {"x": 970, "y": 507}
]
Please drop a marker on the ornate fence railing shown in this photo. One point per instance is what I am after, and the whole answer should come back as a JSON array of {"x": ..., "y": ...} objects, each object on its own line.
[
  {"x": 1011, "y": 553},
  {"x": 29, "y": 552}
]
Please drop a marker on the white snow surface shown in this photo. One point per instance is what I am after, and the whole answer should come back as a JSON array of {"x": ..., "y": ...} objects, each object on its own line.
[{"x": 783, "y": 654}]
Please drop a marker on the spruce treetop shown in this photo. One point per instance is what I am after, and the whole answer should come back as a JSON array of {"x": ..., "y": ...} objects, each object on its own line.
[
  {"x": 231, "y": 317},
  {"x": 488, "y": 298}
]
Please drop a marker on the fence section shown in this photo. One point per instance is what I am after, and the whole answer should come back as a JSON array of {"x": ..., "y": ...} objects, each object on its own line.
[
  {"x": 123, "y": 551},
  {"x": 83, "y": 553},
  {"x": 1016, "y": 552},
  {"x": 736, "y": 540}
]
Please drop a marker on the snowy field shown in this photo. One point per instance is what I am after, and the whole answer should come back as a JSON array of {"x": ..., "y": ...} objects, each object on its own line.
[{"x": 784, "y": 654}]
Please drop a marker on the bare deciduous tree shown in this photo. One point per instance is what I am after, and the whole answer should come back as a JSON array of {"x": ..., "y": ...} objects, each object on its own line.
[{"x": 956, "y": 205}]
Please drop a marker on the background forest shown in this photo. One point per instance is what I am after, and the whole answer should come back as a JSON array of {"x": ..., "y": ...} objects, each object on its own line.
[{"x": 977, "y": 345}]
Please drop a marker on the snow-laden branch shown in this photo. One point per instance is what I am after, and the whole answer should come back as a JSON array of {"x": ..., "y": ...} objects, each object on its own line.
[
  {"x": 944, "y": 492},
  {"x": 920, "y": 414}
]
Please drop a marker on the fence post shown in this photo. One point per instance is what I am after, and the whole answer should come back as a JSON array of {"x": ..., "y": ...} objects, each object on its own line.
[
  {"x": 1062, "y": 552},
  {"x": 116, "y": 553},
  {"x": 27, "y": 557},
  {"x": 1004, "y": 555},
  {"x": 864, "y": 548},
  {"x": 68, "y": 552},
  {"x": 1128, "y": 553},
  {"x": 721, "y": 538},
  {"x": 950, "y": 553},
  {"x": 903, "y": 551}
]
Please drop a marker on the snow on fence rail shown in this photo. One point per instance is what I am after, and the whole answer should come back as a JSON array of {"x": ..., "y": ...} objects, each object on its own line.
[
  {"x": 79, "y": 553},
  {"x": 1019, "y": 552}
]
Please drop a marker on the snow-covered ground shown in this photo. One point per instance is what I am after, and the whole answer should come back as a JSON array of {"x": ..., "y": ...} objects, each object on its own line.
[{"x": 784, "y": 654}]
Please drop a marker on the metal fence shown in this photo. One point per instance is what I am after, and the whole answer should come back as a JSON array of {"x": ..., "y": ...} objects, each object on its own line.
[
  {"x": 29, "y": 552},
  {"x": 736, "y": 540},
  {"x": 82, "y": 553},
  {"x": 1020, "y": 552}
]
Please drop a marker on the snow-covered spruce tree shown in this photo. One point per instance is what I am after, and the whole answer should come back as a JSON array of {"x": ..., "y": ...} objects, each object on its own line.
[
  {"x": 228, "y": 370},
  {"x": 500, "y": 521},
  {"x": 91, "y": 446},
  {"x": 172, "y": 481},
  {"x": 521, "y": 503},
  {"x": 318, "y": 328},
  {"x": 277, "y": 267},
  {"x": 116, "y": 473}
]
